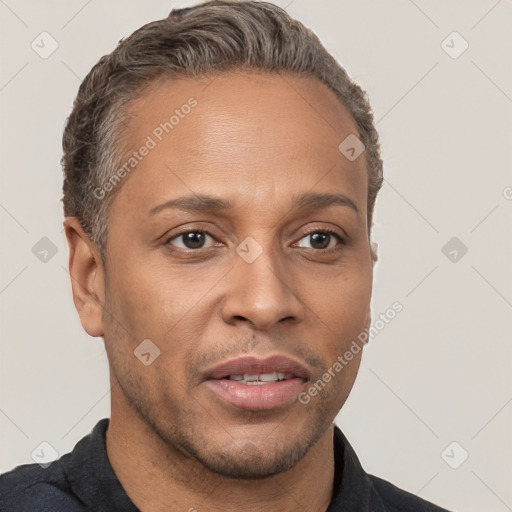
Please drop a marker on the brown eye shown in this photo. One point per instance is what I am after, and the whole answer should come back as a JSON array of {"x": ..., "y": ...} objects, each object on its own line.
[
  {"x": 319, "y": 240},
  {"x": 190, "y": 240}
]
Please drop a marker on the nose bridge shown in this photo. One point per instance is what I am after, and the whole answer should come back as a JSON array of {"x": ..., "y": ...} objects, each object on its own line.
[{"x": 260, "y": 291}]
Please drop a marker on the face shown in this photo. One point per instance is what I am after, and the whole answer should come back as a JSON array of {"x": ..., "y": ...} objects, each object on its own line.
[{"x": 239, "y": 247}]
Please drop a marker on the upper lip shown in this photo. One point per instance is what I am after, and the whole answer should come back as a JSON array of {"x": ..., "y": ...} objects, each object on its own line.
[{"x": 257, "y": 365}]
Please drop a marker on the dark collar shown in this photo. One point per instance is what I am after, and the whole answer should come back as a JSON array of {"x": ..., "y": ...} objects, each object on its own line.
[
  {"x": 93, "y": 480},
  {"x": 352, "y": 488},
  {"x": 91, "y": 476}
]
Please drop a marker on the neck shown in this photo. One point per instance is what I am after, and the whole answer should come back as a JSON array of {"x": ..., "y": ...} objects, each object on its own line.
[{"x": 156, "y": 476}]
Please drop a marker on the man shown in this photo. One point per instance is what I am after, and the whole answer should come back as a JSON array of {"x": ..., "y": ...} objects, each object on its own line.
[{"x": 221, "y": 171}]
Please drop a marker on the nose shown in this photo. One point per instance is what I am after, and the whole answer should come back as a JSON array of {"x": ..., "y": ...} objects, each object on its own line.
[{"x": 262, "y": 293}]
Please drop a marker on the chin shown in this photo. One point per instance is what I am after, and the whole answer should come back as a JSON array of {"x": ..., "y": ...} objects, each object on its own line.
[
  {"x": 248, "y": 453},
  {"x": 245, "y": 460}
]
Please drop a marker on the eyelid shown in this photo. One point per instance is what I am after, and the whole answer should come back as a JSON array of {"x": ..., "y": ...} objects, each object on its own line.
[
  {"x": 330, "y": 231},
  {"x": 322, "y": 230},
  {"x": 189, "y": 230}
]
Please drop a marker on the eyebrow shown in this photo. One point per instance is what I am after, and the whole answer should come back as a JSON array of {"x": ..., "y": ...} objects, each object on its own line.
[
  {"x": 314, "y": 201},
  {"x": 201, "y": 203},
  {"x": 195, "y": 203}
]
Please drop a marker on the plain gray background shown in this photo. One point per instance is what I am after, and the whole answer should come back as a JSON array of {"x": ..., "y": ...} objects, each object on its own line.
[{"x": 439, "y": 372}]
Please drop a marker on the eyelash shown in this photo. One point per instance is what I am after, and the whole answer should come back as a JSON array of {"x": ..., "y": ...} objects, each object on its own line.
[
  {"x": 323, "y": 251},
  {"x": 328, "y": 231},
  {"x": 177, "y": 235}
]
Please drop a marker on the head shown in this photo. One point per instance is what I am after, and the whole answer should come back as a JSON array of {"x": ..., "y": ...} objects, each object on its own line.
[{"x": 210, "y": 209}]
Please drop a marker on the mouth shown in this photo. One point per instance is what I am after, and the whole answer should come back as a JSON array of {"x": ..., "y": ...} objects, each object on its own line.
[
  {"x": 257, "y": 384},
  {"x": 252, "y": 379}
]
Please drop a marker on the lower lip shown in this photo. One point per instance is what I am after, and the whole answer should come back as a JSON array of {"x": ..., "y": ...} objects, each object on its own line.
[{"x": 256, "y": 396}]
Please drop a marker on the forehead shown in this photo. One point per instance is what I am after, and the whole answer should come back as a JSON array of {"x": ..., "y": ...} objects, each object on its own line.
[{"x": 267, "y": 136}]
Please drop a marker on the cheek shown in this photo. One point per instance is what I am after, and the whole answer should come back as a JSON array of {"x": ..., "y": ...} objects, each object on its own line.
[
  {"x": 341, "y": 304},
  {"x": 168, "y": 307},
  {"x": 156, "y": 299}
]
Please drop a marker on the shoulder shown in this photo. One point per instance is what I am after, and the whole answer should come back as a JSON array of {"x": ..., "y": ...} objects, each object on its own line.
[
  {"x": 397, "y": 500},
  {"x": 31, "y": 487},
  {"x": 66, "y": 484},
  {"x": 355, "y": 489}
]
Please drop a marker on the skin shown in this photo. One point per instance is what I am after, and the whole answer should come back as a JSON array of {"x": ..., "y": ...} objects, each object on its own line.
[{"x": 256, "y": 140}]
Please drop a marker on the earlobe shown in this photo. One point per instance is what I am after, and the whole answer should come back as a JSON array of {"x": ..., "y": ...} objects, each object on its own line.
[
  {"x": 87, "y": 277},
  {"x": 368, "y": 321},
  {"x": 374, "y": 247}
]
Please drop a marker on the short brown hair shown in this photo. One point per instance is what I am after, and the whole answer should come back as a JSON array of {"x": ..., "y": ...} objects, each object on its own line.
[{"x": 216, "y": 36}]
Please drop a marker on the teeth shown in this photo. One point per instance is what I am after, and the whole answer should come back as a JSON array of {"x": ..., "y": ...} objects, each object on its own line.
[
  {"x": 268, "y": 377},
  {"x": 252, "y": 379}
]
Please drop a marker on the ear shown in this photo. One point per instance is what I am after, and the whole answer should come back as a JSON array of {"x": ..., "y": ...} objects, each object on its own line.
[
  {"x": 87, "y": 277},
  {"x": 374, "y": 256},
  {"x": 374, "y": 247}
]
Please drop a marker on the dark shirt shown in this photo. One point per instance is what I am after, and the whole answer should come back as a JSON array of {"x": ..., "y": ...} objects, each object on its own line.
[{"x": 84, "y": 480}]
